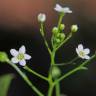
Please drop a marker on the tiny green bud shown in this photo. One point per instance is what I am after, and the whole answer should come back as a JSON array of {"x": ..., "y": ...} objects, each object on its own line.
[
  {"x": 74, "y": 28},
  {"x": 58, "y": 35},
  {"x": 62, "y": 26},
  {"x": 3, "y": 57},
  {"x": 58, "y": 40},
  {"x": 62, "y": 36},
  {"x": 56, "y": 72},
  {"x": 55, "y": 30}
]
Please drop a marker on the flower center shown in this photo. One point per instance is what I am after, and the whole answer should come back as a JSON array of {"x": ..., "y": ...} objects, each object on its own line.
[
  {"x": 82, "y": 53},
  {"x": 20, "y": 56}
]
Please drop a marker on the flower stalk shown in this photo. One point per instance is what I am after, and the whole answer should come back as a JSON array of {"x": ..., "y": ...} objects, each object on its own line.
[
  {"x": 43, "y": 35},
  {"x": 25, "y": 78},
  {"x": 57, "y": 89},
  {"x": 35, "y": 73},
  {"x": 80, "y": 67}
]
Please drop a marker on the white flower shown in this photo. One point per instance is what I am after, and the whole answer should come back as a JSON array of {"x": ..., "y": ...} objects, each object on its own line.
[
  {"x": 41, "y": 17},
  {"x": 20, "y": 56},
  {"x": 83, "y": 53},
  {"x": 59, "y": 8}
]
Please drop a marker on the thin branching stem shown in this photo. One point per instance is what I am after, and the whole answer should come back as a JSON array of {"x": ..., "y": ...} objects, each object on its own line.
[
  {"x": 35, "y": 73},
  {"x": 67, "y": 63},
  {"x": 80, "y": 67},
  {"x": 25, "y": 78},
  {"x": 43, "y": 35}
]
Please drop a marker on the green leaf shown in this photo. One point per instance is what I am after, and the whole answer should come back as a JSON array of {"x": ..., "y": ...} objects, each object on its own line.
[{"x": 5, "y": 81}]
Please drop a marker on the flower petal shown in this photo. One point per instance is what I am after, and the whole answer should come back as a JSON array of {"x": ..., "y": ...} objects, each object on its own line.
[
  {"x": 14, "y": 60},
  {"x": 80, "y": 47},
  {"x": 67, "y": 10},
  {"x": 22, "y": 62},
  {"x": 86, "y": 57},
  {"x": 22, "y": 49},
  {"x": 87, "y": 51},
  {"x": 77, "y": 51},
  {"x": 58, "y": 8},
  {"x": 26, "y": 56},
  {"x": 14, "y": 52}
]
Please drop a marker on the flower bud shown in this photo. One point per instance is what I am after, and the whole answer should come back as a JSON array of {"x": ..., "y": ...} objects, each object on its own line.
[
  {"x": 58, "y": 35},
  {"x": 41, "y": 17},
  {"x": 58, "y": 40},
  {"x": 3, "y": 57},
  {"x": 62, "y": 26},
  {"x": 55, "y": 30},
  {"x": 74, "y": 28},
  {"x": 62, "y": 36},
  {"x": 56, "y": 72}
]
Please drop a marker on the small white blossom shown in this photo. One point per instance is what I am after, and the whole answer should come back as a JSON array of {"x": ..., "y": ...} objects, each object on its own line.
[
  {"x": 41, "y": 17},
  {"x": 20, "y": 56},
  {"x": 83, "y": 53},
  {"x": 59, "y": 8}
]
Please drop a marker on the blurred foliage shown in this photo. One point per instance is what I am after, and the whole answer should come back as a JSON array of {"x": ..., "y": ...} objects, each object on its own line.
[{"x": 5, "y": 81}]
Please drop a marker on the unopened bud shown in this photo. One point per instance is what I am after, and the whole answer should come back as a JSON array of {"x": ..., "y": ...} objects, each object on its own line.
[
  {"x": 58, "y": 40},
  {"x": 55, "y": 30},
  {"x": 41, "y": 17},
  {"x": 62, "y": 36},
  {"x": 62, "y": 26},
  {"x": 74, "y": 28},
  {"x": 56, "y": 72},
  {"x": 58, "y": 35}
]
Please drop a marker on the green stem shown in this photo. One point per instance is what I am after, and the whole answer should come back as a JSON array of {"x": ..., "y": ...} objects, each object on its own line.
[
  {"x": 70, "y": 62},
  {"x": 52, "y": 41},
  {"x": 50, "y": 91},
  {"x": 53, "y": 57},
  {"x": 51, "y": 86},
  {"x": 60, "y": 20},
  {"x": 87, "y": 61},
  {"x": 66, "y": 75},
  {"x": 74, "y": 70},
  {"x": 57, "y": 89},
  {"x": 35, "y": 73},
  {"x": 52, "y": 63},
  {"x": 25, "y": 78},
  {"x": 42, "y": 29},
  {"x": 45, "y": 41}
]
